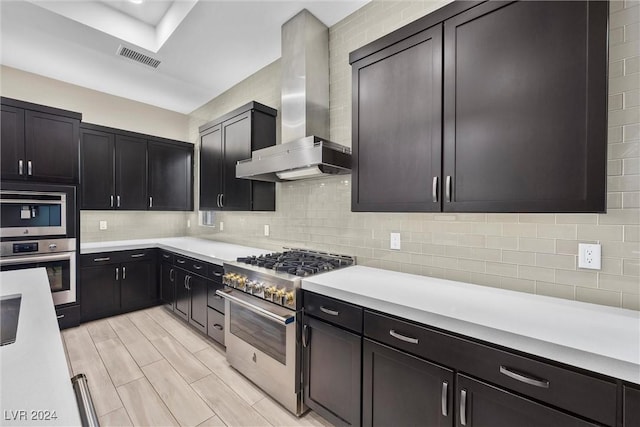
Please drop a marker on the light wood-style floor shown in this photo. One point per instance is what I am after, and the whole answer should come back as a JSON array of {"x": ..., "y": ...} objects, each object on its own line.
[{"x": 148, "y": 368}]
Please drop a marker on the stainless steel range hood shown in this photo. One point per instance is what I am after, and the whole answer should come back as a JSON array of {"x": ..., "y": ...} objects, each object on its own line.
[{"x": 304, "y": 112}]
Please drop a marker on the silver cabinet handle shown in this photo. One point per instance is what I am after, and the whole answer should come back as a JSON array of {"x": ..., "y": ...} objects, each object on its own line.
[
  {"x": 222, "y": 200},
  {"x": 445, "y": 398},
  {"x": 118, "y": 201},
  {"x": 124, "y": 273},
  {"x": 29, "y": 168},
  {"x": 111, "y": 200},
  {"x": 527, "y": 379},
  {"x": 218, "y": 200},
  {"x": 60, "y": 316},
  {"x": 185, "y": 282},
  {"x": 180, "y": 261},
  {"x": 117, "y": 273},
  {"x": 197, "y": 267},
  {"x": 217, "y": 326},
  {"x": 171, "y": 274},
  {"x": 137, "y": 255},
  {"x": 404, "y": 338},
  {"x": 305, "y": 336},
  {"x": 434, "y": 190},
  {"x": 150, "y": 201},
  {"x": 20, "y": 167},
  {"x": 329, "y": 311},
  {"x": 101, "y": 259},
  {"x": 463, "y": 407},
  {"x": 448, "y": 188}
]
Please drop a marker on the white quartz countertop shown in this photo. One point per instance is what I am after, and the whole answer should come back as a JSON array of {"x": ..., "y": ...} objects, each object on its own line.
[
  {"x": 35, "y": 379},
  {"x": 589, "y": 336},
  {"x": 202, "y": 249}
]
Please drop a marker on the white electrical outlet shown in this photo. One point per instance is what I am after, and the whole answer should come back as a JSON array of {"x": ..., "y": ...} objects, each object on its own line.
[
  {"x": 221, "y": 225},
  {"x": 266, "y": 229},
  {"x": 394, "y": 241},
  {"x": 103, "y": 225},
  {"x": 589, "y": 256}
]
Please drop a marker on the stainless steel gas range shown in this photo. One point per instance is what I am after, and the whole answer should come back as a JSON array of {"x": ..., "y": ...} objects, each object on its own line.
[{"x": 263, "y": 306}]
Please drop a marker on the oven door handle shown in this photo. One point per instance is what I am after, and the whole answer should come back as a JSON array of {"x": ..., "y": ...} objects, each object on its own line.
[
  {"x": 36, "y": 258},
  {"x": 285, "y": 320}
]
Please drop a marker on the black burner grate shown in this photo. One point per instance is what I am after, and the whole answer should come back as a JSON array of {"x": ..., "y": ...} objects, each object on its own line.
[{"x": 299, "y": 263}]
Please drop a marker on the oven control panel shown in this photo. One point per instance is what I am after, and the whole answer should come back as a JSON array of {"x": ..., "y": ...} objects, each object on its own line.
[{"x": 20, "y": 248}]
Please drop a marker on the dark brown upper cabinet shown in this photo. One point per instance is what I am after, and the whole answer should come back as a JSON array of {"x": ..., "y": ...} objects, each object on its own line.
[
  {"x": 39, "y": 143},
  {"x": 224, "y": 142},
  {"x": 130, "y": 171},
  {"x": 170, "y": 176},
  {"x": 484, "y": 107}
]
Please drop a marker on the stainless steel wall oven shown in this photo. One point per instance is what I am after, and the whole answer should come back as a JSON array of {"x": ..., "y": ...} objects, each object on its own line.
[{"x": 38, "y": 224}]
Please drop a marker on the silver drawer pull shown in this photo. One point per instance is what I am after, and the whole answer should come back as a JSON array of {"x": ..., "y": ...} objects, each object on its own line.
[
  {"x": 404, "y": 338},
  {"x": 329, "y": 311},
  {"x": 137, "y": 255},
  {"x": 165, "y": 256},
  {"x": 197, "y": 267},
  {"x": 101, "y": 259},
  {"x": 434, "y": 190},
  {"x": 445, "y": 398},
  {"x": 20, "y": 167},
  {"x": 448, "y": 188},
  {"x": 180, "y": 261},
  {"x": 60, "y": 316},
  {"x": 218, "y": 327},
  {"x": 518, "y": 376},
  {"x": 463, "y": 407},
  {"x": 217, "y": 274}
]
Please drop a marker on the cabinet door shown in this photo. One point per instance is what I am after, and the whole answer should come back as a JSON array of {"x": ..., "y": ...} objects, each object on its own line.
[
  {"x": 138, "y": 285},
  {"x": 97, "y": 169},
  {"x": 236, "y": 193},
  {"x": 99, "y": 291},
  {"x": 397, "y": 142},
  {"x": 525, "y": 112},
  {"x": 12, "y": 143},
  {"x": 332, "y": 360},
  {"x": 198, "y": 287},
  {"x": 631, "y": 406},
  {"x": 400, "y": 389},
  {"x": 482, "y": 404},
  {"x": 211, "y": 156},
  {"x": 52, "y": 147},
  {"x": 168, "y": 284},
  {"x": 131, "y": 173},
  {"x": 170, "y": 177},
  {"x": 182, "y": 301}
]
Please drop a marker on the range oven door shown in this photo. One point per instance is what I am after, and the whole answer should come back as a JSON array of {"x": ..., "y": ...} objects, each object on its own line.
[
  {"x": 262, "y": 343},
  {"x": 61, "y": 271}
]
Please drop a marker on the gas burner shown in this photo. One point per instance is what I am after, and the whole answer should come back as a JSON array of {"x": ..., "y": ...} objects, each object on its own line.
[{"x": 298, "y": 262}]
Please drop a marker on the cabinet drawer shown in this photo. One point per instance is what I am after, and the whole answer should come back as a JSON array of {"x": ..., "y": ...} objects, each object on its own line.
[
  {"x": 166, "y": 257},
  {"x": 115, "y": 257},
  {"x": 191, "y": 265},
  {"x": 68, "y": 317},
  {"x": 215, "y": 325},
  {"x": 213, "y": 300},
  {"x": 215, "y": 272},
  {"x": 579, "y": 393},
  {"x": 339, "y": 313}
]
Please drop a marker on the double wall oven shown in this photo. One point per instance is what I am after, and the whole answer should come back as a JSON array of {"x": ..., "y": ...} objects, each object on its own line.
[
  {"x": 263, "y": 306},
  {"x": 38, "y": 229}
]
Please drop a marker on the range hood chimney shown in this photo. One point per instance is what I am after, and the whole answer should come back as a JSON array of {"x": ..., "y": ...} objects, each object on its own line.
[{"x": 305, "y": 152}]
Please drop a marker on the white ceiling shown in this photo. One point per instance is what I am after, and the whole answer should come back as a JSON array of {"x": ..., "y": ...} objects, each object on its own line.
[{"x": 205, "y": 46}]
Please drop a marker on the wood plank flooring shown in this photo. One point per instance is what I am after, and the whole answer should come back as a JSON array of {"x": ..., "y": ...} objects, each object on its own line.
[{"x": 149, "y": 368}]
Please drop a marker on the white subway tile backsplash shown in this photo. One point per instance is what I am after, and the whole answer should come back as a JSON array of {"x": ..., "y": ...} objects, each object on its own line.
[{"x": 598, "y": 296}]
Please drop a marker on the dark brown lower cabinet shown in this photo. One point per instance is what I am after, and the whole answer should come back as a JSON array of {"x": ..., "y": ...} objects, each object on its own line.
[
  {"x": 100, "y": 291},
  {"x": 481, "y": 404},
  {"x": 181, "y": 307},
  {"x": 116, "y": 282},
  {"x": 198, "y": 302},
  {"x": 332, "y": 361},
  {"x": 399, "y": 389},
  {"x": 168, "y": 285},
  {"x": 631, "y": 405}
]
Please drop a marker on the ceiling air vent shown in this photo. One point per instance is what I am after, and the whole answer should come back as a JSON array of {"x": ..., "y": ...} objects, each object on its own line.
[{"x": 138, "y": 57}]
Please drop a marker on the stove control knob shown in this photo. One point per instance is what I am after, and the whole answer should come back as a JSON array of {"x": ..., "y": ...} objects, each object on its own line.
[
  {"x": 258, "y": 287},
  {"x": 250, "y": 285},
  {"x": 289, "y": 297},
  {"x": 241, "y": 281},
  {"x": 268, "y": 292},
  {"x": 281, "y": 292}
]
